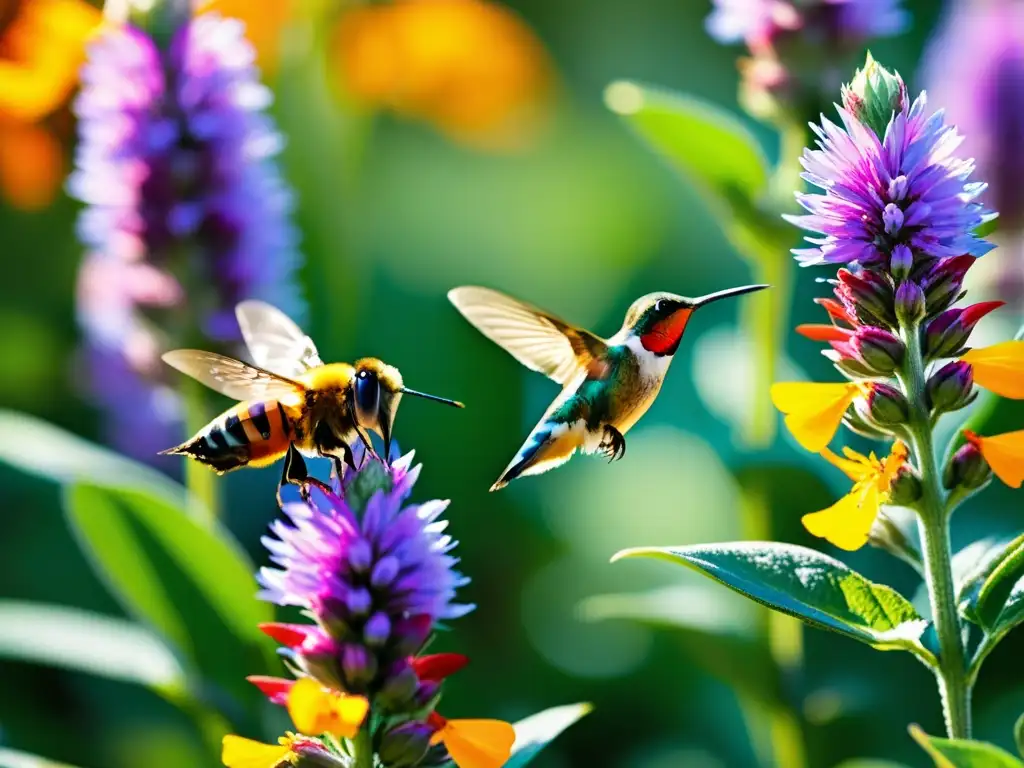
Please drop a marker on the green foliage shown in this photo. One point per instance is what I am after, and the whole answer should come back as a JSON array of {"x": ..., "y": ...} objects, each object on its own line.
[
  {"x": 1018, "y": 734},
  {"x": 998, "y": 603},
  {"x": 807, "y": 584},
  {"x": 963, "y": 753},
  {"x": 716, "y": 153},
  {"x": 190, "y": 583},
  {"x": 10, "y": 758},
  {"x": 534, "y": 733}
]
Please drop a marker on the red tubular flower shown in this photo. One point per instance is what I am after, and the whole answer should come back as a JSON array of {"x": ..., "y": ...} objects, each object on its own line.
[
  {"x": 438, "y": 666},
  {"x": 276, "y": 689}
]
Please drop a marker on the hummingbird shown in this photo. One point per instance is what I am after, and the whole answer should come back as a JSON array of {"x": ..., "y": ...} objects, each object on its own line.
[{"x": 607, "y": 384}]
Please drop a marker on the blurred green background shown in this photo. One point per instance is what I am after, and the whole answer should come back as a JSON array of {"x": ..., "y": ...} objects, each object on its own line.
[{"x": 581, "y": 224}]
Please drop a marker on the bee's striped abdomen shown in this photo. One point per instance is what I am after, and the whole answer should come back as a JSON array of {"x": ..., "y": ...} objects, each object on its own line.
[{"x": 250, "y": 434}]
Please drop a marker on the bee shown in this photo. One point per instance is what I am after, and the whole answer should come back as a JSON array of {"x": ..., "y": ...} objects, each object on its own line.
[{"x": 292, "y": 403}]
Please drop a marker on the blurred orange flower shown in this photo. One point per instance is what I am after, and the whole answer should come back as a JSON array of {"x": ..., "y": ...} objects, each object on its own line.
[
  {"x": 469, "y": 67},
  {"x": 264, "y": 21},
  {"x": 42, "y": 44}
]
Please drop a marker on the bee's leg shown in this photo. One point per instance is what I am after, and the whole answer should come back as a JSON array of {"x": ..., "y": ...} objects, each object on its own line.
[
  {"x": 340, "y": 462},
  {"x": 367, "y": 442},
  {"x": 613, "y": 444},
  {"x": 294, "y": 472}
]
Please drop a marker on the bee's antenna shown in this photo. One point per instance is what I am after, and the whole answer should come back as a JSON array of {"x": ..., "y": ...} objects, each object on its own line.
[{"x": 435, "y": 398}]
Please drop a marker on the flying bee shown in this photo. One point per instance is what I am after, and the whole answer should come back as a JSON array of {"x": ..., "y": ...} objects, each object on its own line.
[{"x": 292, "y": 403}]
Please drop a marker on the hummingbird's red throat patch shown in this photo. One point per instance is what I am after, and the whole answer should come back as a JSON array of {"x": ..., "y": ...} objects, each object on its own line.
[{"x": 664, "y": 337}]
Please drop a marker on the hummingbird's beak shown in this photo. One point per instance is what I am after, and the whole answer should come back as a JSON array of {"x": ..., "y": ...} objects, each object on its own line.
[{"x": 701, "y": 301}]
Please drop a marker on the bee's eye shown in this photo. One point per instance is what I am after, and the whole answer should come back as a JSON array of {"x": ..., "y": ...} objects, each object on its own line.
[{"x": 367, "y": 398}]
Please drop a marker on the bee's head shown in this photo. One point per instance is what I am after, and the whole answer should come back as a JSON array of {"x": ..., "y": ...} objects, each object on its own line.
[{"x": 376, "y": 392}]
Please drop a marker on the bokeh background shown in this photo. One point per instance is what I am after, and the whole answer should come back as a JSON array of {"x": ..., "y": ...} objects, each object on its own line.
[{"x": 581, "y": 219}]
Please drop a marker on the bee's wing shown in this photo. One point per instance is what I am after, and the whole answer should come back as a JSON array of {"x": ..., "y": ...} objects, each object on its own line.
[
  {"x": 231, "y": 377},
  {"x": 538, "y": 340},
  {"x": 274, "y": 340}
]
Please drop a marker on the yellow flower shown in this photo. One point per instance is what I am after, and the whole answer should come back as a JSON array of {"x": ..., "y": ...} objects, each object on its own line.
[
  {"x": 848, "y": 522},
  {"x": 470, "y": 67},
  {"x": 474, "y": 743},
  {"x": 264, "y": 21},
  {"x": 999, "y": 368},
  {"x": 814, "y": 411},
  {"x": 1003, "y": 453},
  {"x": 42, "y": 45},
  {"x": 314, "y": 710}
]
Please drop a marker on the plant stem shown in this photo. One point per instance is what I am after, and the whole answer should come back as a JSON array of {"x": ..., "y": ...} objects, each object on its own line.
[
  {"x": 362, "y": 748},
  {"x": 933, "y": 524}
]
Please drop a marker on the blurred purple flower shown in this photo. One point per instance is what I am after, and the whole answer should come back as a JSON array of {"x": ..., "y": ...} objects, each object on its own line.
[
  {"x": 974, "y": 67},
  {"x": 905, "y": 188},
  {"x": 376, "y": 573}
]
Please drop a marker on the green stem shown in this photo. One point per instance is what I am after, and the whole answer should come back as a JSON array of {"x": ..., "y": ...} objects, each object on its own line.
[
  {"x": 362, "y": 748},
  {"x": 933, "y": 524},
  {"x": 199, "y": 480}
]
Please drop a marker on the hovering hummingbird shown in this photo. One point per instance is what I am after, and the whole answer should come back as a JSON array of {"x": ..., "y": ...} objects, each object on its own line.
[{"x": 607, "y": 384}]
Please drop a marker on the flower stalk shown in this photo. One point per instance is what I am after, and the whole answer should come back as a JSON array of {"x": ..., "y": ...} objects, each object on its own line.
[{"x": 933, "y": 524}]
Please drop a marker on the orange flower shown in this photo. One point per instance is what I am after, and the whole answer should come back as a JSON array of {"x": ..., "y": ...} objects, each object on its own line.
[
  {"x": 264, "y": 21},
  {"x": 1003, "y": 453},
  {"x": 999, "y": 368},
  {"x": 41, "y": 49},
  {"x": 474, "y": 743},
  {"x": 814, "y": 411},
  {"x": 470, "y": 67},
  {"x": 847, "y": 523}
]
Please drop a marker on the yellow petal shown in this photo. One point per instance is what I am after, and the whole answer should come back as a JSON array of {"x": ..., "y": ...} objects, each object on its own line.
[
  {"x": 246, "y": 753},
  {"x": 478, "y": 743},
  {"x": 1005, "y": 455},
  {"x": 855, "y": 466},
  {"x": 316, "y": 710},
  {"x": 999, "y": 369},
  {"x": 848, "y": 522},
  {"x": 813, "y": 411}
]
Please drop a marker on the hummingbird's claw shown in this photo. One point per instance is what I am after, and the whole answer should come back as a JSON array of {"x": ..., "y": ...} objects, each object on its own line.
[{"x": 613, "y": 444}]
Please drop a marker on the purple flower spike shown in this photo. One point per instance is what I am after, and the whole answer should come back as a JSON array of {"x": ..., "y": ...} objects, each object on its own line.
[{"x": 378, "y": 576}]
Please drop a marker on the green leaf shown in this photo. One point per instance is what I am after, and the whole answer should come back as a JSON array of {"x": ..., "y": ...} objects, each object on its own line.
[
  {"x": 805, "y": 583},
  {"x": 1018, "y": 734},
  {"x": 869, "y": 762},
  {"x": 10, "y": 758},
  {"x": 537, "y": 731},
  {"x": 87, "y": 642},
  {"x": 41, "y": 449},
  {"x": 996, "y": 602},
  {"x": 973, "y": 564},
  {"x": 714, "y": 151},
  {"x": 189, "y": 582},
  {"x": 963, "y": 753}
]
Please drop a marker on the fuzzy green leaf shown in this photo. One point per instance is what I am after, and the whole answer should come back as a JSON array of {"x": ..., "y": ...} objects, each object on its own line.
[
  {"x": 997, "y": 602},
  {"x": 1018, "y": 734},
  {"x": 537, "y": 731},
  {"x": 715, "y": 152},
  {"x": 807, "y": 584},
  {"x": 190, "y": 582},
  {"x": 963, "y": 753}
]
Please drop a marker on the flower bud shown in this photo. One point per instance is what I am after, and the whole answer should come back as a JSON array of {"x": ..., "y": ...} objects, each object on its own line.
[
  {"x": 874, "y": 95},
  {"x": 943, "y": 282},
  {"x": 322, "y": 667},
  {"x": 886, "y": 534},
  {"x": 359, "y": 667},
  {"x": 946, "y": 335},
  {"x": 966, "y": 470},
  {"x": 950, "y": 387},
  {"x": 886, "y": 406},
  {"x": 906, "y": 489},
  {"x": 377, "y": 630},
  {"x": 880, "y": 350},
  {"x": 868, "y": 295},
  {"x": 399, "y": 687},
  {"x": 858, "y": 419},
  {"x": 307, "y": 755},
  {"x": 405, "y": 744},
  {"x": 410, "y": 634},
  {"x": 851, "y": 366},
  {"x": 427, "y": 692},
  {"x": 901, "y": 261},
  {"x": 910, "y": 303}
]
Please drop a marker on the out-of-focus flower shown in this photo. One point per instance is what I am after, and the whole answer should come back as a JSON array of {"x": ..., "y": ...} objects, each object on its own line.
[
  {"x": 42, "y": 44},
  {"x": 847, "y": 523},
  {"x": 814, "y": 411},
  {"x": 469, "y": 67},
  {"x": 1003, "y": 453},
  {"x": 474, "y": 743},
  {"x": 798, "y": 47},
  {"x": 999, "y": 368},
  {"x": 974, "y": 67},
  {"x": 265, "y": 21},
  {"x": 176, "y": 164}
]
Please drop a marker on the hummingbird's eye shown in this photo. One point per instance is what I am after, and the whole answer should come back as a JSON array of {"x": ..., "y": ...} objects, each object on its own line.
[
  {"x": 367, "y": 399},
  {"x": 659, "y": 305}
]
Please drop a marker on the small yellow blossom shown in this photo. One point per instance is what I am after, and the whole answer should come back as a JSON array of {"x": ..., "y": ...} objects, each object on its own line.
[
  {"x": 316, "y": 710},
  {"x": 1003, "y": 453},
  {"x": 814, "y": 411},
  {"x": 999, "y": 368},
  {"x": 847, "y": 523},
  {"x": 246, "y": 753},
  {"x": 474, "y": 743}
]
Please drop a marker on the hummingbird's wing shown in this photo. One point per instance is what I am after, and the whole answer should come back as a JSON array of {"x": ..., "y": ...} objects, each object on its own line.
[{"x": 537, "y": 339}]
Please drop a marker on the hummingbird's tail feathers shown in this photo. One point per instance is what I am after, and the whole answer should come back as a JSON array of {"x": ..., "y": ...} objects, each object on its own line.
[{"x": 548, "y": 446}]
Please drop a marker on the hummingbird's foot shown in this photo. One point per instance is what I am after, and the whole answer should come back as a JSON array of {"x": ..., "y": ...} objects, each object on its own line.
[{"x": 613, "y": 444}]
